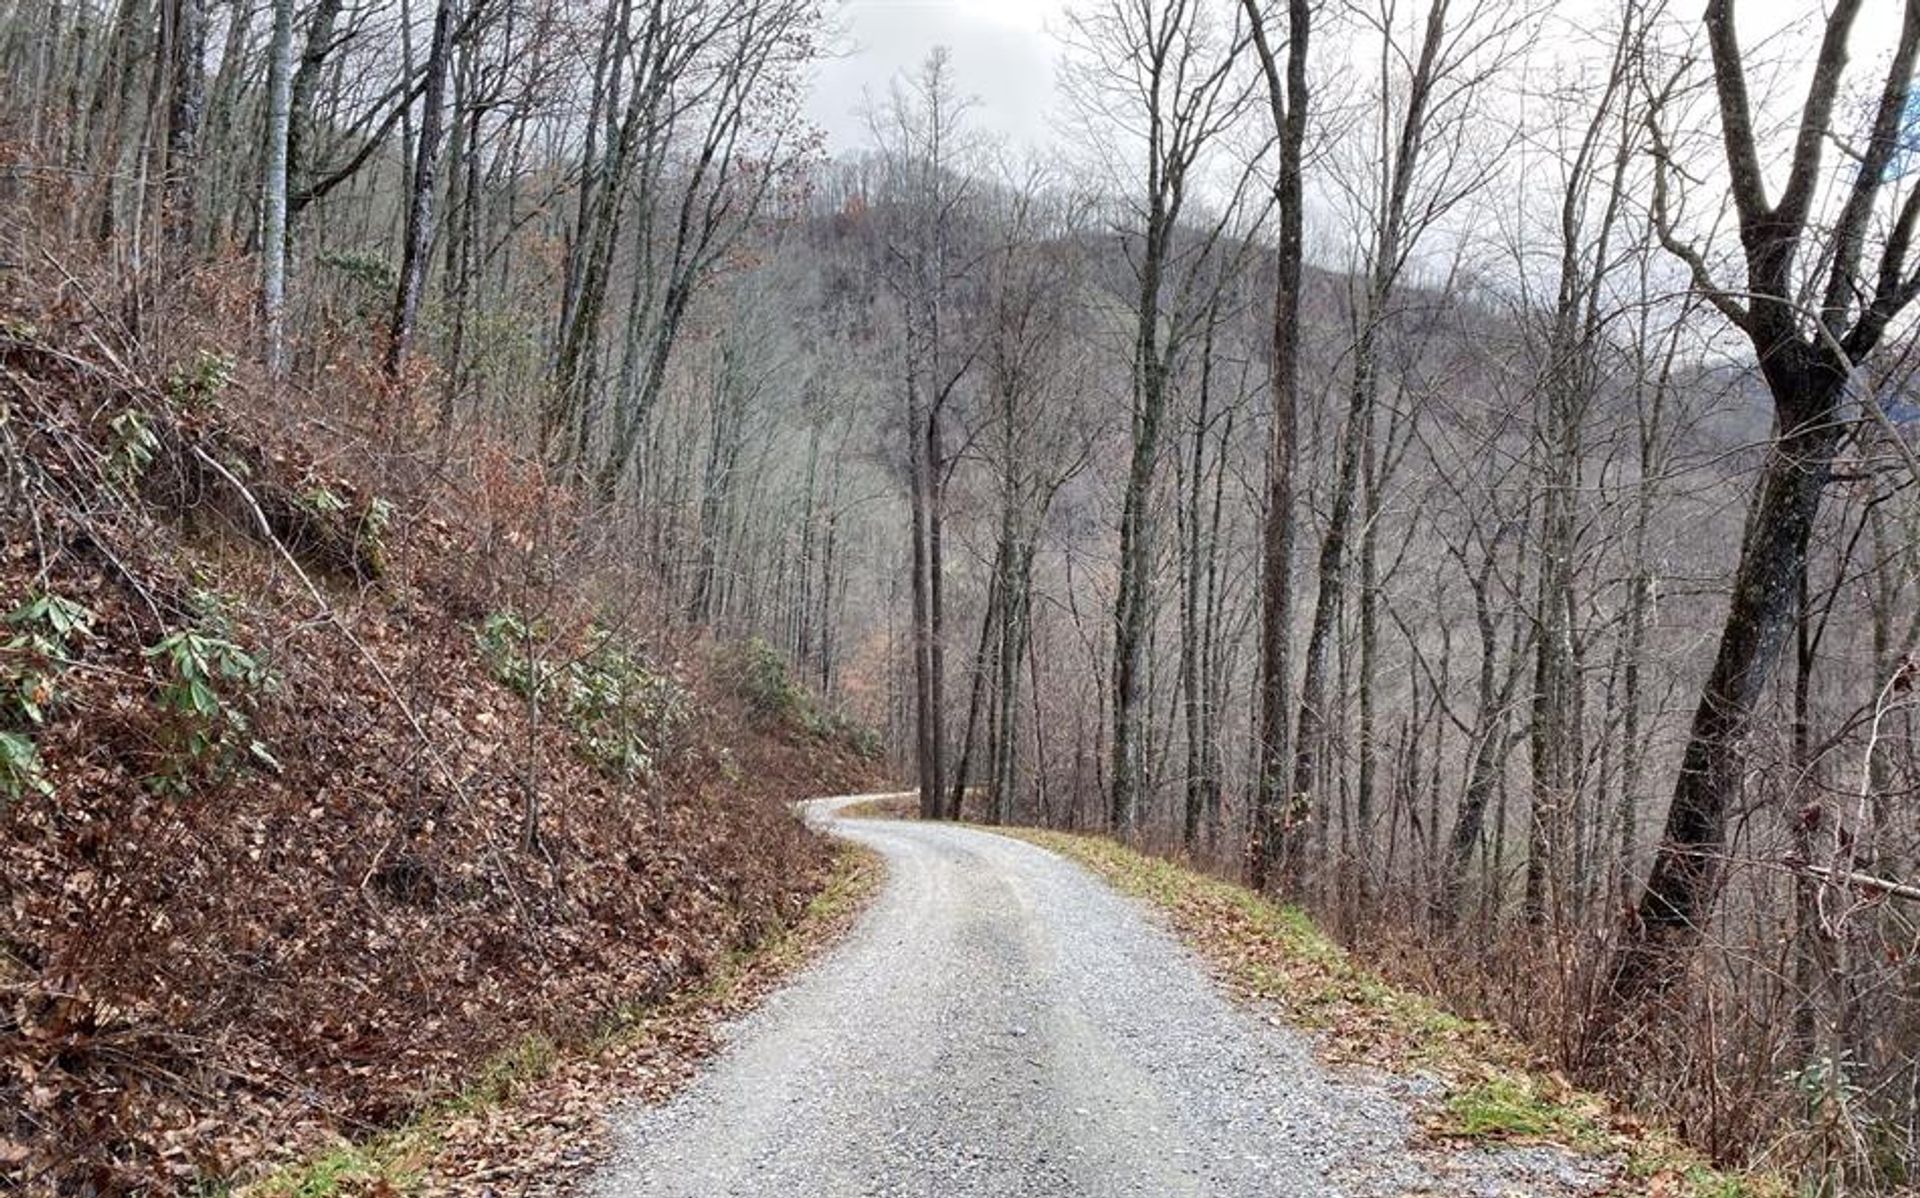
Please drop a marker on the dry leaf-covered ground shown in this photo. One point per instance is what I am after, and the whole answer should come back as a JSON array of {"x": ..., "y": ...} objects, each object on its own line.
[
  {"x": 294, "y": 878},
  {"x": 540, "y": 1120}
]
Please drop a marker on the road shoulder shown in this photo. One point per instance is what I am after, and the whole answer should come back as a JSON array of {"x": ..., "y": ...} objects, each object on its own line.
[
  {"x": 538, "y": 1119},
  {"x": 1489, "y": 1113}
]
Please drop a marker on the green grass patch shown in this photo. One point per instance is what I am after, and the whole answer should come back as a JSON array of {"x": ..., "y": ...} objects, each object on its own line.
[
  {"x": 761, "y": 677},
  {"x": 329, "y": 1174},
  {"x": 352, "y": 1168},
  {"x": 1512, "y": 1106},
  {"x": 1493, "y": 1089}
]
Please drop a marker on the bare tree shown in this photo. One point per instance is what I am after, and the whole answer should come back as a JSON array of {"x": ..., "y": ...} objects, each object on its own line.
[
  {"x": 1166, "y": 74},
  {"x": 704, "y": 139},
  {"x": 1040, "y": 432},
  {"x": 186, "y": 42},
  {"x": 273, "y": 190},
  {"x": 924, "y": 141},
  {"x": 421, "y": 194},
  {"x": 1276, "y": 843},
  {"x": 1808, "y": 355}
]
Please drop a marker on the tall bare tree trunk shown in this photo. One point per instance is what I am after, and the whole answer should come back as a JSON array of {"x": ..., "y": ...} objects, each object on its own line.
[
  {"x": 273, "y": 192},
  {"x": 1276, "y": 841},
  {"x": 416, "y": 253},
  {"x": 1194, "y": 551},
  {"x": 926, "y": 714},
  {"x": 1679, "y": 894},
  {"x": 186, "y": 37},
  {"x": 1807, "y": 364},
  {"x": 1131, "y": 600}
]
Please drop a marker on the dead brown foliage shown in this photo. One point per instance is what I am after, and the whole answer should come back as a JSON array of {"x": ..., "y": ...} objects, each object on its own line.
[{"x": 206, "y": 965}]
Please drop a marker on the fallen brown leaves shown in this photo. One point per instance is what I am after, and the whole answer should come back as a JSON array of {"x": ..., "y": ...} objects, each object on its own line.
[
  {"x": 899, "y": 806},
  {"x": 540, "y": 1140},
  {"x": 206, "y": 972}
]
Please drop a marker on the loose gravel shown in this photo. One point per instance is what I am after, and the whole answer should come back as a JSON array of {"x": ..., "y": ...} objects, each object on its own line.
[{"x": 1003, "y": 1025}]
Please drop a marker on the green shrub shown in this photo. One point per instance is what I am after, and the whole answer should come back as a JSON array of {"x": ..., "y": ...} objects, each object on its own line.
[
  {"x": 506, "y": 646},
  {"x": 37, "y": 654},
  {"x": 322, "y": 501},
  {"x": 203, "y": 382},
  {"x": 20, "y": 772},
  {"x": 841, "y": 727},
  {"x": 620, "y": 709},
  {"x": 44, "y": 635},
  {"x": 373, "y": 274},
  {"x": 759, "y": 676},
  {"x": 134, "y": 444},
  {"x": 208, "y": 683}
]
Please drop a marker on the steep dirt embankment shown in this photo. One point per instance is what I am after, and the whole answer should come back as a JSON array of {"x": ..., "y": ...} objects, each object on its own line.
[{"x": 319, "y": 786}]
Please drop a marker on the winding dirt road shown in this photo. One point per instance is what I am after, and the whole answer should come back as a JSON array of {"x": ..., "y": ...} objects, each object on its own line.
[{"x": 1002, "y": 1024}]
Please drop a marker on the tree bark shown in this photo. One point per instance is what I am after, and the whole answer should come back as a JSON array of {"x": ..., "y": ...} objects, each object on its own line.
[
  {"x": 273, "y": 192},
  {"x": 1276, "y": 841},
  {"x": 1680, "y": 891},
  {"x": 420, "y": 201},
  {"x": 186, "y": 108},
  {"x": 1807, "y": 363}
]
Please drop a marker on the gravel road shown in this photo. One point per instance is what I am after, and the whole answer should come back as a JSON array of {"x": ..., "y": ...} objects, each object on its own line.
[{"x": 1002, "y": 1024}]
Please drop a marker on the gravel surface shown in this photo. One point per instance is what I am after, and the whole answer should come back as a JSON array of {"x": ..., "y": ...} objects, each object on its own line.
[{"x": 1002, "y": 1024}]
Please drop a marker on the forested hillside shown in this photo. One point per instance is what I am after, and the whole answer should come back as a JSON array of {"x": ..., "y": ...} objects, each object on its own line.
[{"x": 1450, "y": 465}]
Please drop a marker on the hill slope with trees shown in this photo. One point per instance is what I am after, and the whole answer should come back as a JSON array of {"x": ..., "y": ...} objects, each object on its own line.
[
  {"x": 1449, "y": 464},
  {"x": 331, "y": 775}
]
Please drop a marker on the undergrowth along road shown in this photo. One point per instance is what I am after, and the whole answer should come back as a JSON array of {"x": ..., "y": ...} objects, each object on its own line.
[
  {"x": 1472, "y": 1083},
  {"x": 536, "y": 1118}
]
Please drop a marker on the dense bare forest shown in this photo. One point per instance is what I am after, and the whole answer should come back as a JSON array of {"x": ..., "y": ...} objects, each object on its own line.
[{"x": 1450, "y": 463}]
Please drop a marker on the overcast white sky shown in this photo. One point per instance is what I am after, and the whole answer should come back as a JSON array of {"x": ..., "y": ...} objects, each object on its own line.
[{"x": 1003, "y": 56}]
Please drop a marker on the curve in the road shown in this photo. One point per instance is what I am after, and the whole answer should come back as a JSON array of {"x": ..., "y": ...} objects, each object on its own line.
[{"x": 1002, "y": 1024}]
